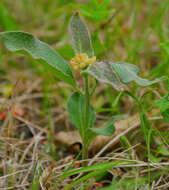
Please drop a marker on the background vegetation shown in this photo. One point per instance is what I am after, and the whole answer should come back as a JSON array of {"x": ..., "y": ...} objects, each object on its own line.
[{"x": 32, "y": 110}]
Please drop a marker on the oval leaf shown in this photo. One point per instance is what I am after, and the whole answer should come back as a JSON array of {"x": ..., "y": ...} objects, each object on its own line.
[
  {"x": 128, "y": 72},
  {"x": 80, "y": 36},
  {"x": 104, "y": 72},
  {"x": 17, "y": 40},
  {"x": 76, "y": 112}
]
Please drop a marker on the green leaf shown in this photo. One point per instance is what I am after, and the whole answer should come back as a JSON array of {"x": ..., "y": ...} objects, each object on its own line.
[
  {"x": 76, "y": 112},
  {"x": 163, "y": 151},
  {"x": 97, "y": 44},
  {"x": 163, "y": 103},
  {"x": 66, "y": 51},
  {"x": 165, "y": 115},
  {"x": 105, "y": 3},
  {"x": 80, "y": 36},
  {"x": 94, "y": 3},
  {"x": 96, "y": 15},
  {"x": 97, "y": 170},
  {"x": 16, "y": 41},
  {"x": 108, "y": 129},
  {"x": 104, "y": 72},
  {"x": 35, "y": 184},
  {"x": 128, "y": 72},
  {"x": 167, "y": 83},
  {"x": 128, "y": 184},
  {"x": 154, "y": 158},
  {"x": 165, "y": 47},
  {"x": 106, "y": 165}
]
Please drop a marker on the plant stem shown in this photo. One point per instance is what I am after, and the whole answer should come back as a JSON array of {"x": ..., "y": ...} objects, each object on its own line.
[
  {"x": 87, "y": 112},
  {"x": 87, "y": 101},
  {"x": 84, "y": 154}
]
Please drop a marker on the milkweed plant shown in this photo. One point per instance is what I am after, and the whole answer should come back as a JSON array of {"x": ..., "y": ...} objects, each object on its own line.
[{"x": 79, "y": 107}]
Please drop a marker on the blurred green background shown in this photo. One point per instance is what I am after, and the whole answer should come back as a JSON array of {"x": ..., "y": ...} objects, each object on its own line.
[
  {"x": 121, "y": 30},
  {"x": 133, "y": 31}
]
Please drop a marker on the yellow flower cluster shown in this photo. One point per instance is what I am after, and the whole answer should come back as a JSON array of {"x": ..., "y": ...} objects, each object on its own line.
[{"x": 81, "y": 61}]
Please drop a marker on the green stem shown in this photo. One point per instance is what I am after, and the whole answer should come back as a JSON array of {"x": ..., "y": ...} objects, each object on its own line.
[
  {"x": 87, "y": 112},
  {"x": 87, "y": 100},
  {"x": 94, "y": 88}
]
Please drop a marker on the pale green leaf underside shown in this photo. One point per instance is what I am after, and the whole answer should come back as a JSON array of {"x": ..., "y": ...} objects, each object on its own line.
[
  {"x": 117, "y": 73},
  {"x": 76, "y": 112},
  {"x": 128, "y": 72},
  {"x": 80, "y": 36},
  {"x": 104, "y": 72},
  {"x": 17, "y": 40}
]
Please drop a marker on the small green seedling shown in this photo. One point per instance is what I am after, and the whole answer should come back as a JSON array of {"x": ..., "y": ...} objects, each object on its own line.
[
  {"x": 79, "y": 108},
  {"x": 163, "y": 104}
]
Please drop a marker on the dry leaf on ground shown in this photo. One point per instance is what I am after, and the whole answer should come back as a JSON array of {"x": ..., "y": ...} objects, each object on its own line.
[{"x": 71, "y": 139}]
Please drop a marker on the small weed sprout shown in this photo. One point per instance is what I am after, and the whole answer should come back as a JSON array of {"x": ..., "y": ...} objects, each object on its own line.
[{"x": 79, "y": 108}]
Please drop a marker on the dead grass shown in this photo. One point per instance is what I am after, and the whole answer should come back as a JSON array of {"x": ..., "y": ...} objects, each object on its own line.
[{"x": 28, "y": 152}]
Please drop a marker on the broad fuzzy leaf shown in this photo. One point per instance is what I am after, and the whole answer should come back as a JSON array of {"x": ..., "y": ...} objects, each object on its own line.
[
  {"x": 16, "y": 41},
  {"x": 128, "y": 72},
  {"x": 104, "y": 72},
  {"x": 76, "y": 112},
  {"x": 108, "y": 129},
  {"x": 80, "y": 36}
]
